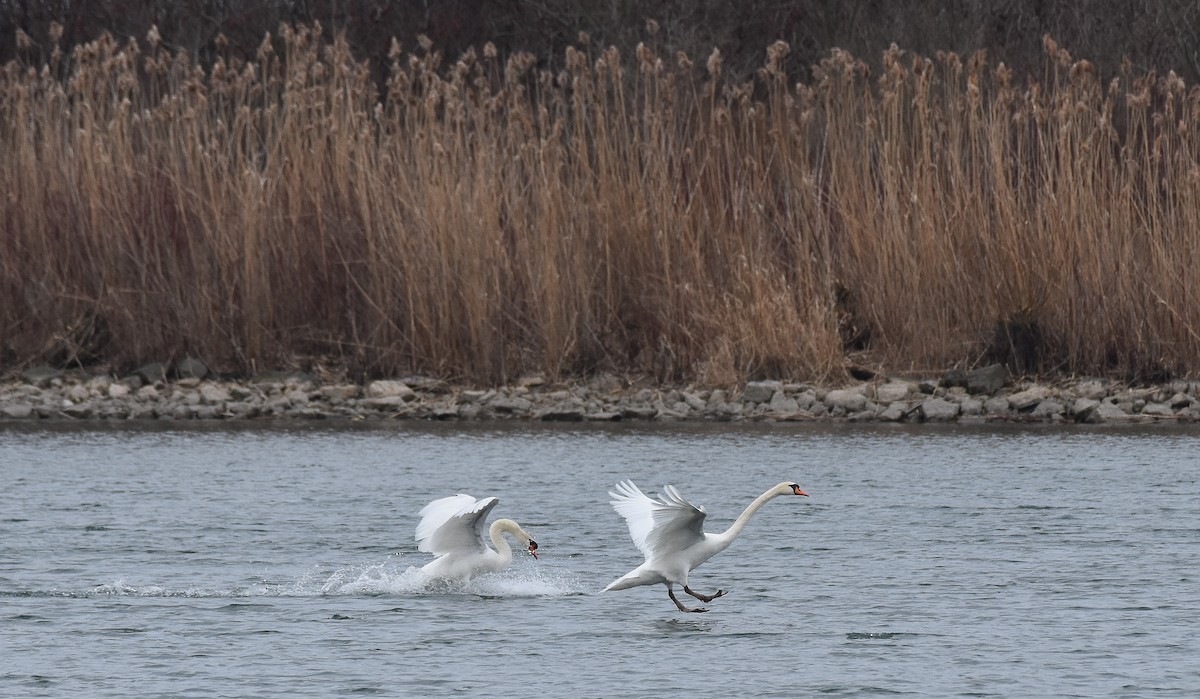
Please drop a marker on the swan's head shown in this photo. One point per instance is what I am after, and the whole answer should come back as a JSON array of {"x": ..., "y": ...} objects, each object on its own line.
[
  {"x": 530, "y": 544},
  {"x": 790, "y": 489}
]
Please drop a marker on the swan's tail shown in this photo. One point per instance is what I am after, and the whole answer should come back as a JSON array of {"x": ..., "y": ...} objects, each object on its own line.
[{"x": 633, "y": 578}]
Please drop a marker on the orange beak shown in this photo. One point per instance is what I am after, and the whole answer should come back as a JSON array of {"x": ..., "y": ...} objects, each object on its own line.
[
  {"x": 798, "y": 491},
  {"x": 533, "y": 549}
]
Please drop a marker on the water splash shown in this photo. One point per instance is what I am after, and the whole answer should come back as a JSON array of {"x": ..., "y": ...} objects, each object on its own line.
[
  {"x": 389, "y": 579},
  {"x": 378, "y": 578}
]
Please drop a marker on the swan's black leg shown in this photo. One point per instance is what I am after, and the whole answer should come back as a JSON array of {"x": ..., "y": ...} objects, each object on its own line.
[
  {"x": 679, "y": 604},
  {"x": 703, "y": 598}
]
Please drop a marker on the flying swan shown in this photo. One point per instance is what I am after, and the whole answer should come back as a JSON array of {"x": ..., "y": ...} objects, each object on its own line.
[
  {"x": 670, "y": 533},
  {"x": 451, "y": 529}
]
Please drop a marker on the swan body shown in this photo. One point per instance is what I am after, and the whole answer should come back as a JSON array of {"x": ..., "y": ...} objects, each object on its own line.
[
  {"x": 669, "y": 531},
  {"x": 451, "y": 529}
]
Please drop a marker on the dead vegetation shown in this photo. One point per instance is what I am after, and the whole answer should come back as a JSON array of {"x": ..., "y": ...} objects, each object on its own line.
[{"x": 482, "y": 217}]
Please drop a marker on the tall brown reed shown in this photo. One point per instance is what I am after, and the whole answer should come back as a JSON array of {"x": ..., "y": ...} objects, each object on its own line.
[{"x": 488, "y": 217}]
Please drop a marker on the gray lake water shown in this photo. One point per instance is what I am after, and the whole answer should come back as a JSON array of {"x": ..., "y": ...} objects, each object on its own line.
[{"x": 980, "y": 561}]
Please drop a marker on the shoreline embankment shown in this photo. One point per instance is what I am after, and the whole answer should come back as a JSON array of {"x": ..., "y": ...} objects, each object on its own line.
[{"x": 187, "y": 391}]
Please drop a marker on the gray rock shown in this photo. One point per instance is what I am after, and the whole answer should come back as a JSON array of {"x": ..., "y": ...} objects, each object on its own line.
[
  {"x": 644, "y": 396},
  {"x": 240, "y": 409},
  {"x": 278, "y": 405},
  {"x": 17, "y": 411},
  {"x": 114, "y": 411},
  {"x": 77, "y": 393},
  {"x": 1158, "y": 410},
  {"x": 986, "y": 380},
  {"x": 1084, "y": 409},
  {"x": 893, "y": 391},
  {"x": 694, "y": 401},
  {"x": 241, "y": 392},
  {"x": 118, "y": 390},
  {"x": 680, "y": 409},
  {"x": 81, "y": 411},
  {"x": 954, "y": 377},
  {"x": 782, "y": 405},
  {"x": 142, "y": 412},
  {"x": 997, "y": 405},
  {"x": 894, "y": 412},
  {"x": 204, "y": 412},
  {"x": 377, "y": 403},
  {"x": 761, "y": 391},
  {"x": 98, "y": 385},
  {"x": 190, "y": 368},
  {"x": 511, "y": 405},
  {"x": 1048, "y": 409},
  {"x": 390, "y": 389},
  {"x": 41, "y": 376},
  {"x": 1179, "y": 401},
  {"x": 724, "y": 411},
  {"x": 213, "y": 394},
  {"x": 297, "y": 396},
  {"x": 847, "y": 401},
  {"x": 564, "y": 412},
  {"x": 938, "y": 410},
  {"x": 152, "y": 373},
  {"x": 1109, "y": 412},
  {"x": 147, "y": 393},
  {"x": 1132, "y": 396},
  {"x": 971, "y": 406},
  {"x": 1028, "y": 398},
  {"x": 471, "y": 396},
  {"x": 426, "y": 384}
]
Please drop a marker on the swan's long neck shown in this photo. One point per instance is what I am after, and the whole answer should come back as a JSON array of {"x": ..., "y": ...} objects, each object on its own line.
[
  {"x": 496, "y": 533},
  {"x": 726, "y": 537}
]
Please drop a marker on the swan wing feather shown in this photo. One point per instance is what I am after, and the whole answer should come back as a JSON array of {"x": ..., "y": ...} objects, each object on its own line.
[
  {"x": 454, "y": 524},
  {"x": 658, "y": 527}
]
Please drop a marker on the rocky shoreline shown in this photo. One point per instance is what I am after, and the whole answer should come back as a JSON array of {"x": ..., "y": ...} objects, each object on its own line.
[{"x": 187, "y": 391}]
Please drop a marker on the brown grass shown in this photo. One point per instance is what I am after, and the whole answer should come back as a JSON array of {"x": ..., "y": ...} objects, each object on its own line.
[{"x": 485, "y": 218}]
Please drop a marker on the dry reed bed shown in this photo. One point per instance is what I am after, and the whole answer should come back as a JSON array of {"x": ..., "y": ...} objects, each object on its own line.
[{"x": 484, "y": 218}]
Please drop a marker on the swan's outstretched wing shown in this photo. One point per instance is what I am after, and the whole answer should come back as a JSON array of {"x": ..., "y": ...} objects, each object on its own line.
[
  {"x": 658, "y": 527},
  {"x": 453, "y": 524}
]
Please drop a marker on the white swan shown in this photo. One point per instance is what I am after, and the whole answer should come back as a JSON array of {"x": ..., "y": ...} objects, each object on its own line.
[
  {"x": 452, "y": 529},
  {"x": 670, "y": 533}
]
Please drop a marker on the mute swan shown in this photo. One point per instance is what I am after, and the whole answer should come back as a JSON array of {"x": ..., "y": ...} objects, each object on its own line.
[
  {"x": 451, "y": 528},
  {"x": 670, "y": 532}
]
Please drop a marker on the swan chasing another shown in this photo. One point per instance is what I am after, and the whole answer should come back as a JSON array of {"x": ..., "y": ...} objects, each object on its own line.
[
  {"x": 451, "y": 529},
  {"x": 670, "y": 533}
]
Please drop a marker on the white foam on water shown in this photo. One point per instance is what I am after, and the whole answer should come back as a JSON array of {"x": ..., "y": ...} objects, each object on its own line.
[{"x": 389, "y": 578}]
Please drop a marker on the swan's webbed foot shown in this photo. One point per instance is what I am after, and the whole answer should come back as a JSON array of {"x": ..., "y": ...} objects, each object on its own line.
[
  {"x": 703, "y": 597},
  {"x": 680, "y": 604}
]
